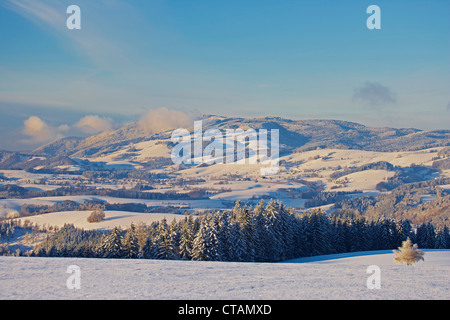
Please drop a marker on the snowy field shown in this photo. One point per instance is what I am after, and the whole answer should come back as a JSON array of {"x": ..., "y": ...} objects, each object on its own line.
[
  {"x": 340, "y": 277},
  {"x": 112, "y": 219}
]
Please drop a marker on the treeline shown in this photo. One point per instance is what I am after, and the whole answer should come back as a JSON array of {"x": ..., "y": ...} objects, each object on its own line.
[
  {"x": 265, "y": 233},
  {"x": 380, "y": 165},
  {"x": 7, "y": 229},
  {"x": 406, "y": 176},
  {"x": 402, "y": 175},
  {"x": 442, "y": 164},
  {"x": 68, "y": 205},
  {"x": 143, "y": 175},
  {"x": 13, "y": 191},
  {"x": 320, "y": 198},
  {"x": 404, "y": 202}
]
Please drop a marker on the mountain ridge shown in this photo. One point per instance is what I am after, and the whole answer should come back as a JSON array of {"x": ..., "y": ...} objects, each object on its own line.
[{"x": 295, "y": 136}]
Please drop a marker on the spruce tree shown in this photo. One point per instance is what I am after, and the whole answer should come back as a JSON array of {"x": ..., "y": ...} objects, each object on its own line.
[
  {"x": 442, "y": 240},
  {"x": 247, "y": 222},
  {"x": 237, "y": 243},
  {"x": 224, "y": 236},
  {"x": 271, "y": 239},
  {"x": 112, "y": 244},
  {"x": 164, "y": 242},
  {"x": 318, "y": 233},
  {"x": 421, "y": 235},
  {"x": 199, "y": 245},
  {"x": 431, "y": 236},
  {"x": 130, "y": 246},
  {"x": 186, "y": 238},
  {"x": 147, "y": 249},
  {"x": 260, "y": 233}
]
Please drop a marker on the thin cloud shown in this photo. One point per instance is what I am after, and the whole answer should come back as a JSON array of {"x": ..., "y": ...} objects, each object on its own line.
[
  {"x": 94, "y": 124},
  {"x": 161, "y": 119},
  {"x": 37, "y": 12},
  {"x": 52, "y": 16},
  {"x": 374, "y": 94},
  {"x": 32, "y": 100}
]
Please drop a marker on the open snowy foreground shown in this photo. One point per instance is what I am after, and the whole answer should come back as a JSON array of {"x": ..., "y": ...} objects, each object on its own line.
[{"x": 343, "y": 276}]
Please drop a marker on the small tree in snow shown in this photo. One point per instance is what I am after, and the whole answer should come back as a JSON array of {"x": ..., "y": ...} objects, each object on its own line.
[
  {"x": 408, "y": 254},
  {"x": 96, "y": 216}
]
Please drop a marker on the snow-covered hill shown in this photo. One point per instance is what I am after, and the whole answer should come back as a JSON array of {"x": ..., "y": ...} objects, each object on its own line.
[
  {"x": 341, "y": 276},
  {"x": 131, "y": 146}
]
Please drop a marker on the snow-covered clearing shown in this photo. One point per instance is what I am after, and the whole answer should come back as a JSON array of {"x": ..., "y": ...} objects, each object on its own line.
[
  {"x": 112, "y": 219},
  {"x": 327, "y": 277},
  {"x": 15, "y": 204}
]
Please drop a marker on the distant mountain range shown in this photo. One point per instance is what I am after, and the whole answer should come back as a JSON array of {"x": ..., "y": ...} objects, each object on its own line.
[{"x": 295, "y": 136}]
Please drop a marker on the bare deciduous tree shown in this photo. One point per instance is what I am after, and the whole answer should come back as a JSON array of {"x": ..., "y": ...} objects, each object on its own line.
[{"x": 96, "y": 216}]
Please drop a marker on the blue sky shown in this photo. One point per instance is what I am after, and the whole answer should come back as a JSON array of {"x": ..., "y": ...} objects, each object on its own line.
[{"x": 295, "y": 59}]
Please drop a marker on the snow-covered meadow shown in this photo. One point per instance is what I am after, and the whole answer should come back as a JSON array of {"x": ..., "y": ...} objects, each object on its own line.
[{"x": 342, "y": 276}]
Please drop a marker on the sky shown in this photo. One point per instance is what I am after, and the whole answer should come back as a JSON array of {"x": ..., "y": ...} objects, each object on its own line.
[{"x": 247, "y": 58}]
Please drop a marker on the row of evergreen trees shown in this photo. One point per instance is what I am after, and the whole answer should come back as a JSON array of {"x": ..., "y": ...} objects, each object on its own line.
[
  {"x": 265, "y": 233},
  {"x": 7, "y": 229}
]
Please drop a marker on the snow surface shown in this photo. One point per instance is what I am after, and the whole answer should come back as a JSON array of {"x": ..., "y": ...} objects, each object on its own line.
[
  {"x": 342, "y": 276},
  {"x": 112, "y": 219}
]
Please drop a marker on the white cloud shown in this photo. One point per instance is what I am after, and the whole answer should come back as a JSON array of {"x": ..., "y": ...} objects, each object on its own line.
[
  {"x": 161, "y": 119},
  {"x": 39, "y": 131},
  {"x": 94, "y": 124}
]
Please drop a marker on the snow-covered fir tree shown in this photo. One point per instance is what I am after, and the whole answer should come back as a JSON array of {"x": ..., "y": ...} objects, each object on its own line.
[
  {"x": 186, "y": 238},
  {"x": 130, "y": 246},
  {"x": 442, "y": 239},
  {"x": 200, "y": 243},
  {"x": 237, "y": 243},
  {"x": 111, "y": 245}
]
